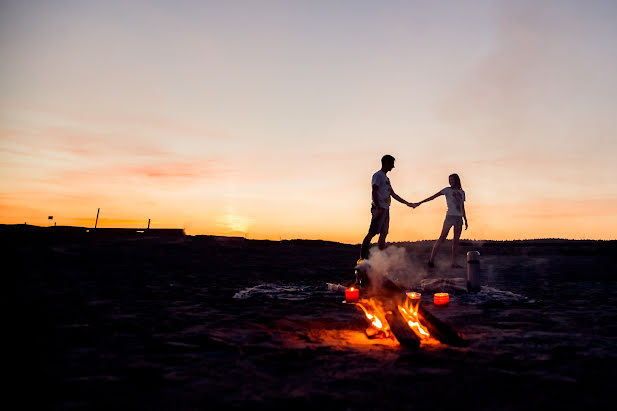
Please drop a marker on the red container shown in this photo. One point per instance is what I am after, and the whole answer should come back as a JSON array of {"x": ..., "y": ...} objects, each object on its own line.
[
  {"x": 352, "y": 295},
  {"x": 441, "y": 298}
]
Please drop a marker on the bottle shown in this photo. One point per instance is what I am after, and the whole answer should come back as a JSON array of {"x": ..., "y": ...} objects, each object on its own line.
[{"x": 473, "y": 271}]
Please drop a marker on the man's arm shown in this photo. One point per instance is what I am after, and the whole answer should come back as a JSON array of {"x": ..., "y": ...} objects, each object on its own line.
[{"x": 398, "y": 198}]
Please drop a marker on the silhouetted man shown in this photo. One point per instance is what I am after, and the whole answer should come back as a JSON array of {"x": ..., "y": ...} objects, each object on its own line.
[{"x": 380, "y": 207}]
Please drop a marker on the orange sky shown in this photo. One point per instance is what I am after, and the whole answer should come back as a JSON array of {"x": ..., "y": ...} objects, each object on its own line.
[{"x": 267, "y": 121}]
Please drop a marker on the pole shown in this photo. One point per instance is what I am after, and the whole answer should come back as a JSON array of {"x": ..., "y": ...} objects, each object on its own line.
[
  {"x": 148, "y": 224},
  {"x": 97, "y": 217}
]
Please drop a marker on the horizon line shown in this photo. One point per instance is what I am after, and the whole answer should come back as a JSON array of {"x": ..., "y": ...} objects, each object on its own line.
[{"x": 141, "y": 230}]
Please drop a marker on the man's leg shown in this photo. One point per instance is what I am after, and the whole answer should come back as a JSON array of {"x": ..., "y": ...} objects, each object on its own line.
[
  {"x": 382, "y": 241},
  {"x": 383, "y": 232},
  {"x": 366, "y": 244},
  {"x": 378, "y": 217}
]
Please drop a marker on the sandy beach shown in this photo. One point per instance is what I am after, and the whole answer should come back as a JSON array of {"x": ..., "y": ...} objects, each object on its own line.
[{"x": 203, "y": 322}]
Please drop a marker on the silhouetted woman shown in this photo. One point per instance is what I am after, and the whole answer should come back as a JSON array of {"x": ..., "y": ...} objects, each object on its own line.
[{"x": 455, "y": 198}]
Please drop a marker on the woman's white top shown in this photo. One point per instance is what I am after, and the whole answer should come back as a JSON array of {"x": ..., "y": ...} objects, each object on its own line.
[{"x": 454, "y": 199}]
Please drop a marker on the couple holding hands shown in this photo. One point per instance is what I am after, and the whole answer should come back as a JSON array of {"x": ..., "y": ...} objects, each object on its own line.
[{"x": 380, "y": 211}]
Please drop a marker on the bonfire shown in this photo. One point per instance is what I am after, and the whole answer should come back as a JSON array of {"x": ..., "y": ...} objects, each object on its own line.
[
  {"x": 380, "y": 319},
  {"x": 392, "y": 313}
]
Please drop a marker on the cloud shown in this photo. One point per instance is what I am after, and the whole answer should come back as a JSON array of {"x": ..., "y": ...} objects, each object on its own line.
[
  {"x": 197, "y": 169},
  {"x": 116, "y": 122},
  {"x": 123, "y": 176},
  {"x": 62, "y": 140}
]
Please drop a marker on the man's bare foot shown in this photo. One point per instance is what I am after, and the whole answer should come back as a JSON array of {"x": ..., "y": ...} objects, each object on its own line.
[{"x": 454, "y": 265}]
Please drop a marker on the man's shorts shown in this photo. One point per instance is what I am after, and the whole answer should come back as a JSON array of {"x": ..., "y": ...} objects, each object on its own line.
[
  {"x": 380, "y": 221},
  {"x": 453, "y": 220}
]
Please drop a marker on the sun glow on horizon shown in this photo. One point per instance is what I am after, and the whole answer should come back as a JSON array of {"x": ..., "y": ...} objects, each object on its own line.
[{"x": 233, "y": 223}]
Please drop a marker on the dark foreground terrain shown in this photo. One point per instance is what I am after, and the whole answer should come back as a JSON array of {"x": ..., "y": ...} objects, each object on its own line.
[{"x": 203, "y": 322}]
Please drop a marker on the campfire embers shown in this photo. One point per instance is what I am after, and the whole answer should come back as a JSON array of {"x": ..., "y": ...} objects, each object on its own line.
[
  {"x": 401, "y": 323},
  {"x": 393, "y": 314},
  {"x": 376, "y": 315}
]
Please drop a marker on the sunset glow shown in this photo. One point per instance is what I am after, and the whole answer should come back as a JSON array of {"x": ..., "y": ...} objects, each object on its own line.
[{"x": 267, "y": 119}]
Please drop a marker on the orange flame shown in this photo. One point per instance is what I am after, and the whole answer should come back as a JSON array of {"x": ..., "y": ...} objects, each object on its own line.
[
  {"x": 409, "y": 311},
  {"x": 377, "y": 317},
  {"x": 379, "y": 327}
]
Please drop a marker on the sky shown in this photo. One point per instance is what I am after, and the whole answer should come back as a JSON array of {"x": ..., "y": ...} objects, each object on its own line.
[{"x": 267, "y": 119}]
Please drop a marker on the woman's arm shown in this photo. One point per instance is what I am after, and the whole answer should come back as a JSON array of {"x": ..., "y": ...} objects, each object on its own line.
[
  {"x": 431, "y": 198},
  {"x": 464, "y": 215}
]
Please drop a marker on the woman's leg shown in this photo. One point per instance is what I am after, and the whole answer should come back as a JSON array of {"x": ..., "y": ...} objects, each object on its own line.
[
  {"x": 457, "y": 235},
  {"x": 444, "y": 233}
]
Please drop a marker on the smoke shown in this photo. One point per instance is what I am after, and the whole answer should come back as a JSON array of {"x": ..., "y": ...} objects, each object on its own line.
[{"x": 395, "y": 264}]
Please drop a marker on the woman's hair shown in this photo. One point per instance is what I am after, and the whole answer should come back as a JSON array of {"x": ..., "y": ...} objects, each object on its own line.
[{"x": 457, "y": 181}]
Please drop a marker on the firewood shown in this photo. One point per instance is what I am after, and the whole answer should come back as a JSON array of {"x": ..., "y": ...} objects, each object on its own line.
[
  {"x": 438, "y": 329},
  {"x": 401, "y": 330},
  {"x": 371, "y": 332}
]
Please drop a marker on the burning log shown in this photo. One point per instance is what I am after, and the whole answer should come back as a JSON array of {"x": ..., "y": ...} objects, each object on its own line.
[
  {"x": 442, "y": 331},
  {"x": 410, "y": 322},
  {"x": 372, "y": 332},
  {"x": 404, "y": 334},
  {"x": 438, "y": 329},
  {"x": 376, "y": 315},
  {"x": 387, "y": 321}
]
